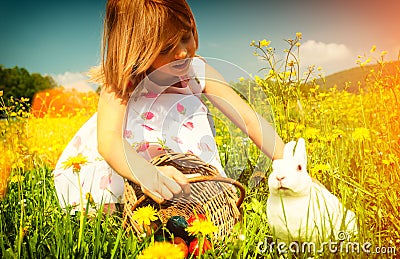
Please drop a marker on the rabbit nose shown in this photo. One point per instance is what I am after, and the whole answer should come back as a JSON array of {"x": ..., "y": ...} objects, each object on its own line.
[{"x": 280, "y": 178}]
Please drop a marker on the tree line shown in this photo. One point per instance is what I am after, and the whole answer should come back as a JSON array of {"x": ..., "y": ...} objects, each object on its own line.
[{"x": 18, "y": 82}]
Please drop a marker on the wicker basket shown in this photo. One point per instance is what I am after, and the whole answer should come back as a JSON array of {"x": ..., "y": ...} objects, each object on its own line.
[{"x": 210, "y": 194}]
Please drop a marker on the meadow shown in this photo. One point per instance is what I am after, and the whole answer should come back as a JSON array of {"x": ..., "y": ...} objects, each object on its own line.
[{"x": 353, "y": 146}]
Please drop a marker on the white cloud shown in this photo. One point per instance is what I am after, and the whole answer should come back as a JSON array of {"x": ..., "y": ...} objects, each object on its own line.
[
  {"x": 77, "y": 81},
  {"x": 332, "y": 57}
]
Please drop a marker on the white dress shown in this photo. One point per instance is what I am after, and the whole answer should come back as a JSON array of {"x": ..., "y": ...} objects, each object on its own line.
[{"x": 157, "y": 117}]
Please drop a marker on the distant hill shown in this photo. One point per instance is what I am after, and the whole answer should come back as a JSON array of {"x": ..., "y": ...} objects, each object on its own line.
[{"x": 358, "y": 74}]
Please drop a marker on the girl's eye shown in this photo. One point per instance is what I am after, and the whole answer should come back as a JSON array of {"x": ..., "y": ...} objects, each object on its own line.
[
  {"x": 186, "y": 38},
  {"x": 166, "y": 50}
]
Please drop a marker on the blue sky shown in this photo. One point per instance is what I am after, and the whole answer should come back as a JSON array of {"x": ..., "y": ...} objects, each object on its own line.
[{"x": 62, "y": 38}]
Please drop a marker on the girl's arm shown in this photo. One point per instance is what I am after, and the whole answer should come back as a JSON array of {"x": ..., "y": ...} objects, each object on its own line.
[
  {"x": 242, "y": 115},
  {"x": 156, "y": 182}
]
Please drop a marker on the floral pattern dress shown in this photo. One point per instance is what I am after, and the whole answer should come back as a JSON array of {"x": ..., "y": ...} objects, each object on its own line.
[{"x": 157, "y": 118}]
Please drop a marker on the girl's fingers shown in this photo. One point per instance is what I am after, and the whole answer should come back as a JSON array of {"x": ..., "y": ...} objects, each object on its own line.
[
  {"x": 176, "y": 181},
  {"x": 171, "y": 185},
  {"x": 183, "y": 182}
]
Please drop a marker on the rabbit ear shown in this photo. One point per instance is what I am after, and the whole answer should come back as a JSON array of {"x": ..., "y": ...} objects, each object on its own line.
[
  {"x": 288, "y": 149},
  {"x": 301, "y": 153}
]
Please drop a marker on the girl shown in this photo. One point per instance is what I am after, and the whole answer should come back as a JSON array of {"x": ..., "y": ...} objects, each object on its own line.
[{"x": 151, "y": 82}]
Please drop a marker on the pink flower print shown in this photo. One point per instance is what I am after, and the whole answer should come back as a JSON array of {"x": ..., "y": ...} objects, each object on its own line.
[
  {"x": 181, "y": 109},
  {"x": 189, "y": 125},
  {"x": 128, "y": 134},
  {"x": 105, "y": 181},
  {"x": 204, "y": 147},
  {"x": 177, "y": 140},
  {"x": 151, "y": 95},
  {"x": 147, "y": 116},
  {"x": 142, "y": 146},
  {"x": 147, "y": 127}
]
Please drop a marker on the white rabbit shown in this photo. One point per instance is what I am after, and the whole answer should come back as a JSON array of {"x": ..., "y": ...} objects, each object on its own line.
[{"x": 299, "y": 208}]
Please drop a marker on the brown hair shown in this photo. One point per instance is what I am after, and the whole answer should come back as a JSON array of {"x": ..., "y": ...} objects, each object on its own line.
[{"x": 135, "y": 32}]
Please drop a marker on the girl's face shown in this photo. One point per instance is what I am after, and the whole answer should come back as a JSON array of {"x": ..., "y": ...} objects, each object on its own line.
[{"x": 177, "y": 57}]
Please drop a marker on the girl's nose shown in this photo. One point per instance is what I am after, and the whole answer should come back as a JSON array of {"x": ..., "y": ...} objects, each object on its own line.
[{"x": 181, "y": 53}]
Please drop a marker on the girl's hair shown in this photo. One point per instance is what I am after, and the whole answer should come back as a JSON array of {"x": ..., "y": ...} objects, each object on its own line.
[{"x": 135, "y": 32}]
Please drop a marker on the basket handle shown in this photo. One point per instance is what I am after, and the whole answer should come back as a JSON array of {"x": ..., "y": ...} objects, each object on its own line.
[{"x": 197, "y": 179}]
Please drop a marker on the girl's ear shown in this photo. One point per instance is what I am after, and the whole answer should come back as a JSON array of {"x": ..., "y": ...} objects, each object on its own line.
[
  {"x": 301, "y": 153},
  {"x": 288, "y": 150}
]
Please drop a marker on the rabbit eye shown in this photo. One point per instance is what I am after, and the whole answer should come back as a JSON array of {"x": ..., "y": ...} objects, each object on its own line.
[{"x": 299, "y": 168}]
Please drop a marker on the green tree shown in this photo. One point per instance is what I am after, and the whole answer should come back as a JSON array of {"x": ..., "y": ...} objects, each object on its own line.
[{"x": 18, "y": 82}]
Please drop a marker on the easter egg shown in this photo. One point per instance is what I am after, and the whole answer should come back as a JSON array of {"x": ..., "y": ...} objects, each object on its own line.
[
  {"x": 194, "y": 247},
  {"x": 177, "y": 225}
]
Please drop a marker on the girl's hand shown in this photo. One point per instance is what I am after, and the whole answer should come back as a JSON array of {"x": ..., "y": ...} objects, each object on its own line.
[{"x": 164, "y": 183}]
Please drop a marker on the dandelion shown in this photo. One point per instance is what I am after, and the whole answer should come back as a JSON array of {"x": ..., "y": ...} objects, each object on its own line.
[
  {"x": 311, "y": 133},
  {"x": 145, "y": 215},
  {"x": 75, "y": 162},
  {"x": 319, "y": 168},
  {"x": 361, "y": 134},
  {"x": 265, "y": 43},
  {"x": 162, "y": 250},
  {"x": 203, "y": 227}
]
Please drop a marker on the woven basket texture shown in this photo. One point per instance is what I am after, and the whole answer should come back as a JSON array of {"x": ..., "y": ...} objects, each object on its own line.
[{"x": 211, "y": 195}]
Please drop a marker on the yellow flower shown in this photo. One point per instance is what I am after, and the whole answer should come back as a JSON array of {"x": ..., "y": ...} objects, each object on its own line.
[
  {"x": 372, "y": 50},
  {"x": 360, "y": 134},
  {"x": 299, "y": 35},
  {"x": 365, "y": 62},
  {"x": 162, "y": 250},
  {"x": 1, "y": 93},
  {"x": 145, "y": 215},
  {"x": 203, "y": 227},
  {"x": 17, "y": 178},
  {"x": 319, "y": 168},
  {"x": 311, "y": 133},
  {"x": 75, "y": 162},
  {"x": 265, "y": 43}
]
